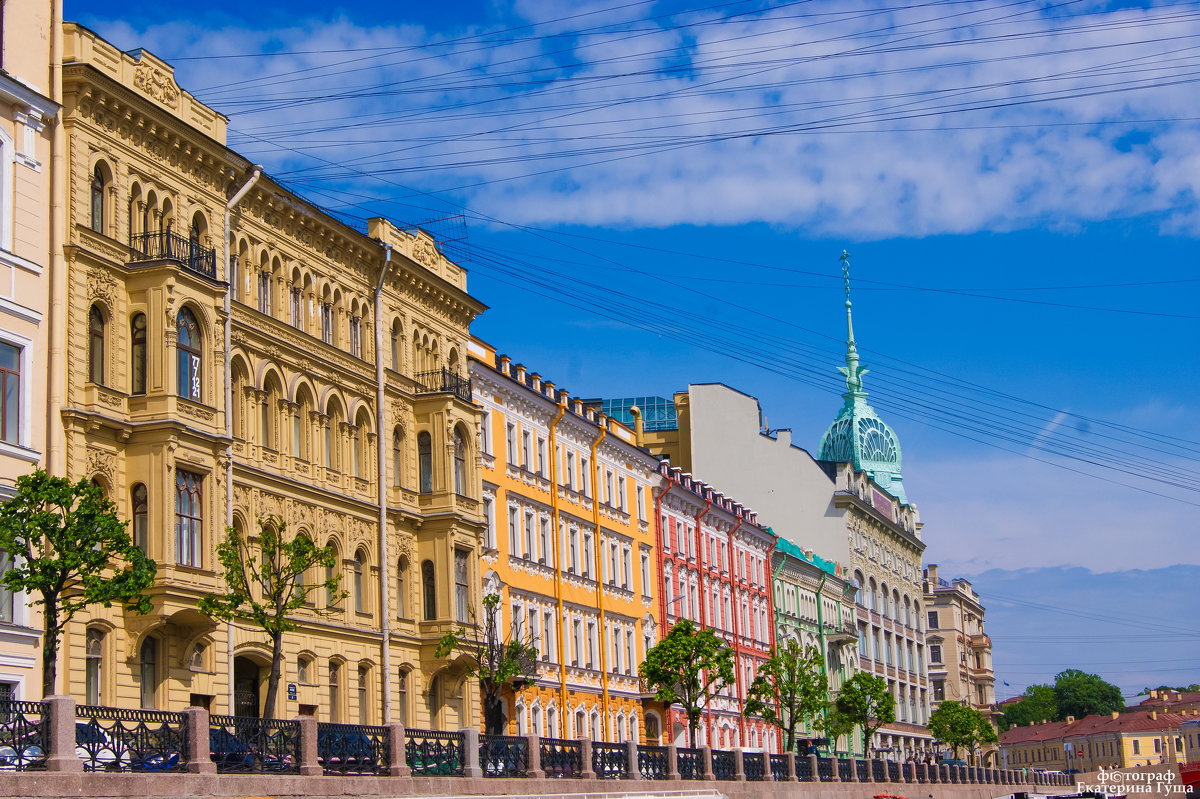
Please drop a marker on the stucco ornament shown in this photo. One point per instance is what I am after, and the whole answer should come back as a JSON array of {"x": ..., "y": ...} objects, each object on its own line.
[{"x": 155, "y": 83}]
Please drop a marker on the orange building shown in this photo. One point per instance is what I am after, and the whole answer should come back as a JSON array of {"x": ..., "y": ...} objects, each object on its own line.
[{"x": 569, "y": 548}]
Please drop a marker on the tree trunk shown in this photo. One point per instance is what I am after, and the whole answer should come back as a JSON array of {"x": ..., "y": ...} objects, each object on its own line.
[
  {"x": 50, "y": 647},
  {"x": 493, "y": 716},
  {"x": 273, "y": 678},
  {"x": 692, "y": 725}
]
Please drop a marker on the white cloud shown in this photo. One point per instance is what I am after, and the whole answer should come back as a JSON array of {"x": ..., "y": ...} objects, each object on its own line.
[{"x": 439, "y": 117}]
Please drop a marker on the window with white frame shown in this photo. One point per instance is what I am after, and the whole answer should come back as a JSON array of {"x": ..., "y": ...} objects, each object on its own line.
[{"x": 11, "y": 357}]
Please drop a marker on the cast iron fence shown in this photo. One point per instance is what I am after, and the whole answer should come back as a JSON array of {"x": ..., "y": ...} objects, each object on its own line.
[
  {"x": 444, "y": 381},
  {"x": 609, "y": 761},
  {"x": 723, "y": 765},
  {"x": 652, "y": 762},
  {"x": 844, "y": 767},
  {"x": 116, "y": 739},
  {"x": 825, "y": 769},
  {"x": 244, "y": 745},
  {"x": 863, "y": 769},
  {"x": 503, "y": 755},
  {"x": 804, "y": 771},
  {"x": 24, "y": 731},
  {"x": 433, "y": 753},
  {"x": 691, "y": 763},
  {"x": 352, "y": 749},
  {"x": 753, "y": 766},
  {"x": 562, "y": 757},
  {"x": 779, "y": 768},
  {"x": 893, "y": 770},
  {"x": 169, "y": 246}
]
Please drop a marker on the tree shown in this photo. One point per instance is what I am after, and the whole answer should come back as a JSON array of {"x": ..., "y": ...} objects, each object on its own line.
[
  {"x": 69, "y": 550},
  {"x": 269, "y": 589},
  {"x": 1081, "y": 694},
  {"x": 688, "y": 667},
  {"x": 865, "y": 701},
  {"x": 496, "y": 662},
  {"x": 960, "y": 726},
  {"x": 789, "y": 689},
  {"x": 1039, "y": 702}
]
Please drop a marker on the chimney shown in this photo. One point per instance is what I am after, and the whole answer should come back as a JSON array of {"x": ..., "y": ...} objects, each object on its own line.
[
  {"x": 931, "y": 570},
  {"x": 1070, "y": 719},
  {"x": 1116, "y": 714},
  {"x": 1153, "y": 715}
]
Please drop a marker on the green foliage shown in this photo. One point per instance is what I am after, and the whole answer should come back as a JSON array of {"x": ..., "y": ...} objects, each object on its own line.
[
  {"x": 864, "y": 701},
  {"x": 688, "y": 667},
  {"x": 494, "y": 660},
  {"x": 1074, "y": 693},
  {"x": 789, "y": 689},
  {"x": 267, "y": 588},
  {"x": 960, "y": 726},
  {"x": 1081, "y": 694},
  {"x": 69, "y": 551}
]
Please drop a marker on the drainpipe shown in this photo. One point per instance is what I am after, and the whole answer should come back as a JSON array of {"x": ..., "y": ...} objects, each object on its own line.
[
  {"x": 564, "y": 714},
  {"x": 737, "y": 638},
  {"x": 599, "y": 582},
  {"x": 56, "y": 455},
  {"x": 255, "y": 174},
  {"x": 824, "y": 665},
  {"x": 385, "y": 605}
]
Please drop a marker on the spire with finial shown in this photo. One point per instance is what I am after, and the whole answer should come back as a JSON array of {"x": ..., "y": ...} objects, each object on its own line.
[{"x": 851, "y": 370}]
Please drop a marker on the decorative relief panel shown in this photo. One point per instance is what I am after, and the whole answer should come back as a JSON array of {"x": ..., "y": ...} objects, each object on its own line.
[{"x": 157, "y": 85}]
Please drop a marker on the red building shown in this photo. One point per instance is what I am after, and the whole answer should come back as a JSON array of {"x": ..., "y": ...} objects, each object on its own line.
[{"x": 715, "y": 563}]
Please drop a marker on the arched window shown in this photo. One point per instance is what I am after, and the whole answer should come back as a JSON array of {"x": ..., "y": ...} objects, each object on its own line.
[
  {"x": 141, "y": 518},
  {"x": 189, "y": 519},
  {"x": 360, "y": 599},
  {"x": 397, "y": 458},
  {"x": 137, "y": 354},
  {"x": 94, "y": 666},
  {"x": 460, "y": 463},
  {"x": 148, "y": 668},
  {"x": 429, "y": 589},
  {"x": 331, "y": 571},
  {"x": 364, "y": 695},
  {"x": 402, "y": 707},
  {"x": 335, "y": 696},
  {"x": 401, "y": 587},
  {"x": 99, "y": 183},
  {"x": 96, "y": 345},
  {"x": 188, "y": 345},
  {"x": 397, "y": 335},
  {"x": 425, "y": 461},
  {"x": 6, "y": 596}
]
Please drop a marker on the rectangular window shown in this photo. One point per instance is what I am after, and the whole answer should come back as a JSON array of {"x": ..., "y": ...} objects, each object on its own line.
[
  {"x": 541, "y": 456},
  {"x": 608, "y": 486},
  {"x": 939, "y": 690},
  {"x": 585, "y": 477},
  {"x": 569, "y": 476},
  {"x": 641, "y": 503},
  {"x": 6, "y": 596},
  {"x": 530, "y": 553},
  {"x": 485, "y": 432},
  {"x": 547, "y": 555},
  {"x": 627, "y": 568},
  {"x": 513, "y": 547},
  {"x": 935, "y": 653},
  {"x": 264, "y": 293},
  {"x": 577, "y": 640},
  {"x": 525, "y": 450},
  {"x": 512, "y": 444},
  {"x": 489, "y": 536},
  {"x": 1137, "y": 746},
  {"x": 10, "y": 393},
  {"x": 574, "y": 562},
  {"x": 621, "y": 493},
  {"x": 933, "y": 620},
  {"x": 189, "y": 518},
  {"x": 593, "y": 652},
  {"x": 535, "y": 630},
  {"x": 548, "y": 630},
  {"x": 296, "y": 308},
  {"x": 645, "y": 574},
  {"x": 356, "y": 336},
  {"x": 587, "y": 555},
  {"x": 327, "y": 322}
]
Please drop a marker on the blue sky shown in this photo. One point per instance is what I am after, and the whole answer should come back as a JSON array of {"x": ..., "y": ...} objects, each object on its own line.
[{"x": 653, "y": 194}]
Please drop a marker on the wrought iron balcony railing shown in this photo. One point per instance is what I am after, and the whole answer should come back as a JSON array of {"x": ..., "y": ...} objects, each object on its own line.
[
  {"x": 168, "y": 246},
  {"x": 444, "y": 381}
]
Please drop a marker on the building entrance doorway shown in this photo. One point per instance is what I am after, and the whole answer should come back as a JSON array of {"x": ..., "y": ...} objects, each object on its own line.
[{"x": 245, "y": 687}]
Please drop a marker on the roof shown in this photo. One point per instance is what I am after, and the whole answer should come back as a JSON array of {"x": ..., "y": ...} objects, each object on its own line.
[
  {"x": 1171, "y": 698},
  {"x": 1092, "y": 725}
]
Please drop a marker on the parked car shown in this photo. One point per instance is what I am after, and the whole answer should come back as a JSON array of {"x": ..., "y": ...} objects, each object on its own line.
[
  {"x": 228, "y": 751},
  {"x": 101, "y": 751},
  {"x": 18, "y": 752}
]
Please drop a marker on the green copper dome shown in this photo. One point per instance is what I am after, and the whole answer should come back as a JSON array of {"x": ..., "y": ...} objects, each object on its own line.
[{"x": 858, "y": 435}]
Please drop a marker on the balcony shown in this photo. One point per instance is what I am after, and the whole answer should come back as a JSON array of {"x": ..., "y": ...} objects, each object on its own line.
[
  {"x": 167, "y": 246},
  {"x": 443, "y": 381}
]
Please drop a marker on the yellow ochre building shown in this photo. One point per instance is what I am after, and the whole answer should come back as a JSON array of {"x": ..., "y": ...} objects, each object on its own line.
[
  {"x": 569, "y": 548},
  {"x": 229, "y": 351}
]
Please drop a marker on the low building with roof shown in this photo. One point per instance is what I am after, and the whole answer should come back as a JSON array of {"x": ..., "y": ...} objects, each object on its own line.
[{"x": 1115, "y": 740}]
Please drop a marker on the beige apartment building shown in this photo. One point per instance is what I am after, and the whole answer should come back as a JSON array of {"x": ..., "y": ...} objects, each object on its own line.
[
  {"x": 960, "y": 651},
  {"x": 1116, "y": 740},
  {"x": 233, "y": 352},
  {"x": 28, "y": 126}
]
